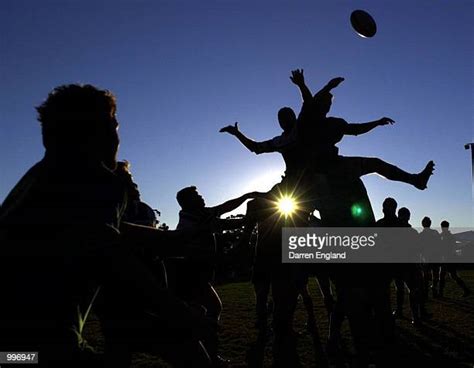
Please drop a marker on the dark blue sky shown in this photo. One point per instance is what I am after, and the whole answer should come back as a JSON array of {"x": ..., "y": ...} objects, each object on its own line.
[{"x": 183, "y": 69}]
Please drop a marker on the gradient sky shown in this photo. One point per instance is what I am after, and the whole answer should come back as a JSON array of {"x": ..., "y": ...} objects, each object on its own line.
[{"x": 183, "y": 69}]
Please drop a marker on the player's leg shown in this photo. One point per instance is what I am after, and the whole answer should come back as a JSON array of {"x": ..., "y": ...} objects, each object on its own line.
[
  {"x": 436, "y": 273},
  {"x": 400, "y": 286},
  {"x": 454, "y": 275},
  {"x": 358, "y": 309},
  {"x": 209, "y": 298},
  {"x": 368, "y": 165},
  {"x": 285, "y": 294},
  {"x": 325, "y": 289},
  {"x": 442, "y": 279},
  {"x": 427, "y": 279},
  {"x": 413, "y": 282},
  {"x": 308, "y": 303},
  {"x": 261, "y": 284}
]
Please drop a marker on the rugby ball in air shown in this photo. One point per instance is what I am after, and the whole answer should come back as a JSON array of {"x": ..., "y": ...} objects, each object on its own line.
[{"x": 363, "y": 23}]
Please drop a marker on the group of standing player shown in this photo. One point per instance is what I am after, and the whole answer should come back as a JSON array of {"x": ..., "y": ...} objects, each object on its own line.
[{"x": 318, "y": 178}]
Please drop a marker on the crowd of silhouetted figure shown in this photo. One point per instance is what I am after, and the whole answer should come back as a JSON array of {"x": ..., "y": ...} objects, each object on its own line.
[{"x": 76, "y": 234}]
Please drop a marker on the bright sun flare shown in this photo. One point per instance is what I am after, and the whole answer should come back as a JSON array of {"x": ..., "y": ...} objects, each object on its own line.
[{"x": 286, "y": 205}]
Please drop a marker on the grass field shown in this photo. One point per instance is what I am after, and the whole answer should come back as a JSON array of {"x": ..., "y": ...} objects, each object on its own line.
[{"x": 447, "y": 340}]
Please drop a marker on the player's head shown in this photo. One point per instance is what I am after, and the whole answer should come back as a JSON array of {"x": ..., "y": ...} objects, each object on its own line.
[
  {"x": 189, "y": 199},
  {"x": 79, "y": 121},
  {"x": 426, "y": 222},
  {"x": 286, "y": 118},
  {"x": 444, "y": 225},
  {"x": 404, "y": 215},
  {"x": 323, "y": 102},
  {"x": 389, "y": 207}
]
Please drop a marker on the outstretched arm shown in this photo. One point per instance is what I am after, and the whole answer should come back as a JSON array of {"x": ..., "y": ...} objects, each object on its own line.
[
  {"x": 333, "y": 83},
  {"x": 362, "y": 128},
  {"x": 232, "y": 204},
  {"x": 297, "y": 77},
  {"x": 322, "y": 99},
  {"x": 251, "y": 145}
]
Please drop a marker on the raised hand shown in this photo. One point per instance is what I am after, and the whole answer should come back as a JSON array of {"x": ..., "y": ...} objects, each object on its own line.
[
  {"x": 297, "y": 77},
  {"x": 333, "y": 83},
  {"x": 231, "y": 129},
  {"x": 385, "y": 121}
]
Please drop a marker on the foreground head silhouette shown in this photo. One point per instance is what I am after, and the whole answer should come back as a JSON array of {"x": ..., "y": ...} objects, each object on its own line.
[{"x": 78, "y": 121}]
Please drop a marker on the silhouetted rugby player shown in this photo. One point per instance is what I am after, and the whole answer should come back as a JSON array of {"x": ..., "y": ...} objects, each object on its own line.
[
  {"x": 295, "y": 182},
  {"x": 319, "y": 135},
  {"x": 61, "y": 235},
  {"x": 269, "y": 272},
  {"x": 308, "y": 146},
  {"x": 195, "y": 274},
  {"x": 385, "y": 272},
  {"x": 432, "y": 253},
  {"x": 409, "y": 273},
  {"x": 299, "y": 181}
]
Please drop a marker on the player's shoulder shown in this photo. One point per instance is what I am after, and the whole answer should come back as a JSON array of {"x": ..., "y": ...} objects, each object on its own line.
[
  {"x": 284, "y": 139},
  {"x": 278, "y": 138},
  {"x": 336, "y": 123},
  {"x": 336, "y": 120}
]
